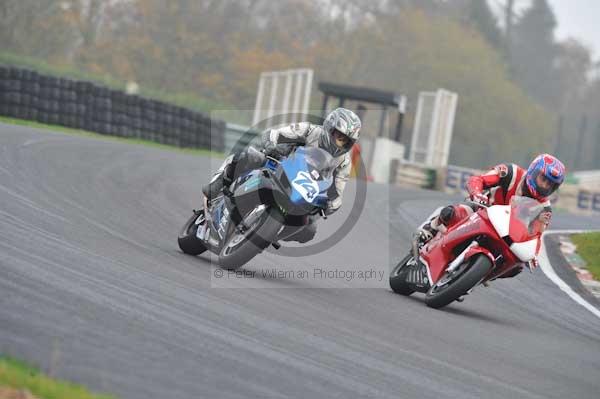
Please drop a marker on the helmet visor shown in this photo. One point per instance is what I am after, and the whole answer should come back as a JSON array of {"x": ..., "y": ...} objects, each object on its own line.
[
  {"x": 544, "y": 186},
  {"x": 341, "y": 140}
]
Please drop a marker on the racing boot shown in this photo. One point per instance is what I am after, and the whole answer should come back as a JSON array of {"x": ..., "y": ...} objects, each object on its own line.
[
  {"x": 426, "y": 233},
  {"x": 438, "y": 223},
  {"x": 219, "y": 183},
  {"x": 429, "y": 230}
]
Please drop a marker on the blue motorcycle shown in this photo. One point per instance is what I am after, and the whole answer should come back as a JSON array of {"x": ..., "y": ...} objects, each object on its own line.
[{"x": 263, "y": 206}]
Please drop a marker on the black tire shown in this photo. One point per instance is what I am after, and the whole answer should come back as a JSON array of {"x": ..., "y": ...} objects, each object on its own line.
[
  {"x": 398, "y": 277},
  {"x": 43, "y": 117},
  {"x": 10, "y": 85},
  {"x": 83, "y": 87},
  {"x": 10, "y": 98},
  {"x": 15, "y": 73},
  {"x": 187, "y": 240},
  {"x": 253, "y": 242},
  {"x": 467, "y": 276},
  {"x": 32, "y": 114},
  {"x": 22, "y": 112},
  {"x": 53, "y": 119}
]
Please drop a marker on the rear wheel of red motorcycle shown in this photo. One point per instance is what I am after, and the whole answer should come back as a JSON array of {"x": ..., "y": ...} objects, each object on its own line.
[
  {"x": 454, "y": 285},
  {"x": 398, "y": 277}
]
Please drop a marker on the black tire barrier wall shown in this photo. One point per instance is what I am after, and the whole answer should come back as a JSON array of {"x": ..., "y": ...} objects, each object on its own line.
[{"x": 26, "y": 94}]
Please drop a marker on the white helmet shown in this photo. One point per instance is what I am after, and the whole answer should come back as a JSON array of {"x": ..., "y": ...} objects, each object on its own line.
[{"x": 340, "y": 121}]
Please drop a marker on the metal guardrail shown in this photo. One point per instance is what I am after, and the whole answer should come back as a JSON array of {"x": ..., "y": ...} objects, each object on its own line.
[
  {"x": 581, "y": 199},
  {"x": 578, "y": 199},
  {"x": 410, "y": 174},
  {"x": 453, "y": 179}
]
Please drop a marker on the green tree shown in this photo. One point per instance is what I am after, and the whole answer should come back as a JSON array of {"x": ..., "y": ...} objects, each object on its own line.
[
  {"x": 496, "y": 121},
  {"x": 534, "y": 51},
  {"x": 216, "y": 49},
  {"x": 485, "y": 21},
  {"x": 39, "y": 28}
]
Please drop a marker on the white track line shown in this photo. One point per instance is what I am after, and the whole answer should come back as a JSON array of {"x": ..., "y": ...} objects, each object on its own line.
[{"x": 551, "y": 274}]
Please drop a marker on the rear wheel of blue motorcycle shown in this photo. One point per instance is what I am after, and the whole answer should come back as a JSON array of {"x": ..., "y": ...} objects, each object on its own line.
[
  {"x": 451, "y": 287},
  {"x": 398, "y": 277},
  {"x": 241, "y": 247},
  {"x": 187, "y": 240}
]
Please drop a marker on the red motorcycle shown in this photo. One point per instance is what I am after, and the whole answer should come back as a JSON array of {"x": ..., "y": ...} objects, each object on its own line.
[{"x": 493, "y": 242}]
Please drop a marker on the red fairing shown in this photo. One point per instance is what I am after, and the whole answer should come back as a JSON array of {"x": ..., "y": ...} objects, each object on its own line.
[
  {"x": 480, "y": 250},
  {"x": 438, "y": 252},
  {"x": 460, "y": 213},
  {"x": 521, "y": 232},
  {"x": 441, "y": 250}
]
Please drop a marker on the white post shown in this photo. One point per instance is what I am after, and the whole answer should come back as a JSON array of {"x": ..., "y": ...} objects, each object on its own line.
[
  {"x": 453, "y": 99},
  {"x": 287, "y": 94},
  {"x": 298, "y": 89},
  {"x": 274, "y": 82},
  {"x": 259, "y": 98},
  {"x": 434, "y": 130},
  {"x": 416, "y": 129},
  {"x": 307, "y": 90},
  {"x": 432, "y": 147},
  {"x": 402, "y": 105}
]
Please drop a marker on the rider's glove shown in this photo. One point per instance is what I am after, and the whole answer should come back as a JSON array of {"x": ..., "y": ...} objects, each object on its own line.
[
  {"x": 480, "y": 198},
  {"x": 270, "y": 149},
  {"x": 277, "y": 151},
  {"x": 545, "y": 217}
]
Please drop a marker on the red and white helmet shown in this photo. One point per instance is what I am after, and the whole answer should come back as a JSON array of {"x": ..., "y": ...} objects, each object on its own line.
[{"x": 545, "y": 174}]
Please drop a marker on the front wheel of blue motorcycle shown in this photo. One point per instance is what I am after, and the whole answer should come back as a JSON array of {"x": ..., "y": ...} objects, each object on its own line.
[{"x": 257, "y": 231}]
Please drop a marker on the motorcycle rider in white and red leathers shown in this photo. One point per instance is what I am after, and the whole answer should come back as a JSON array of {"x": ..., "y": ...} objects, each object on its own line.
[{"x": 497, "y": 186}]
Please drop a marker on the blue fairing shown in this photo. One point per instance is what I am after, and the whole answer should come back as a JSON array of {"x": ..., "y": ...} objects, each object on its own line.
[{"x": 309, "y": 183}]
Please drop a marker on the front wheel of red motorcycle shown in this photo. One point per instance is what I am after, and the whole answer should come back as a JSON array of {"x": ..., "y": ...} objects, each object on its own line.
[
  {"x": 398, "y": 276},
  {"x": 455, "y": 284}
]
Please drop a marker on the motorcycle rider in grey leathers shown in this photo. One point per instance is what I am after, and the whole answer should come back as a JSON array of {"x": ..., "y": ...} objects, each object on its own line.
[{"x": 338, "y": 134}]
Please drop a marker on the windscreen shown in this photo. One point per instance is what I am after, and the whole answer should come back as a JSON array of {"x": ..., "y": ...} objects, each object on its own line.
[
  {"x": 526, "y": 222},
  {"x": 321, "y": 163}
]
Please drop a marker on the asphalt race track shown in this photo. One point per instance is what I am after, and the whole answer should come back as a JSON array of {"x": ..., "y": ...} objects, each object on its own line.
[{"x": 94, "y": 289}]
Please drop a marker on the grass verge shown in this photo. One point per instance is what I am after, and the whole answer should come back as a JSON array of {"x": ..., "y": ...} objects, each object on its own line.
[
  {"x": 588, "y": 247},
  {"x": 85, "y": 133},
  {"x": 18, "y": 375}
]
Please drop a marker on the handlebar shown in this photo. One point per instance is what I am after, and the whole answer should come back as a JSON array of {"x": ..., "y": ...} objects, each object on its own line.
[
  {"x": 287, "y": 140},
  {"x": 477, "y": 204},
  {"x": 272, "y": 158}
]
